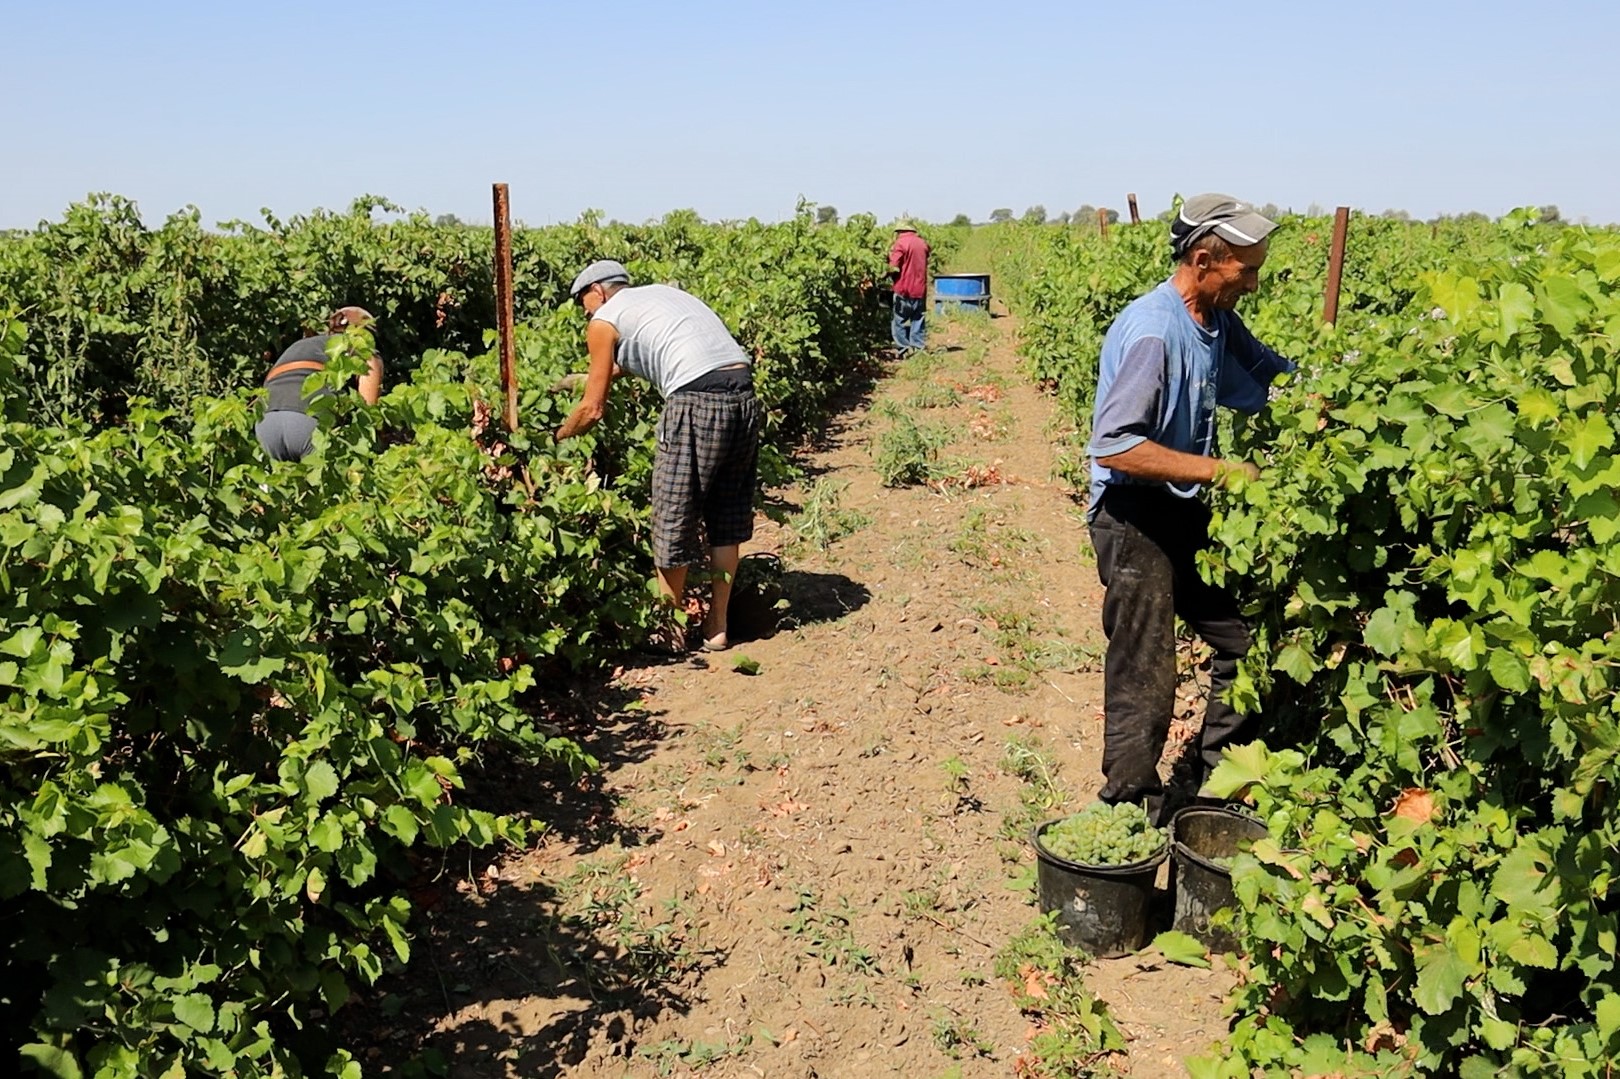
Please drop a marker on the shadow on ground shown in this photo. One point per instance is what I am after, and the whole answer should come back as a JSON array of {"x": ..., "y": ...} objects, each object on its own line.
[
  {"x": 813, "y": 598},
  {"x": 520, "y": 977},
  {"x": 525, "y": 987}
]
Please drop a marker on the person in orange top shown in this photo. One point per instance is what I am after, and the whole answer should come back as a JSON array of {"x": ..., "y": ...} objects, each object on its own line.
[
  {"x": 908, "y": 261},
  {"x": 287, "y": 430}
]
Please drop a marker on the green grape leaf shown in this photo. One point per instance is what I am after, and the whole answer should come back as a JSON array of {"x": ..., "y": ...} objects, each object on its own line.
[
  {"x": 52, "y": 1061},
  {"x": 320, "y": 780},
  {"x": 1182, "y": 948},
  {"x": 1442, "y": 973},
  {"x": 195, "y": 1010}
]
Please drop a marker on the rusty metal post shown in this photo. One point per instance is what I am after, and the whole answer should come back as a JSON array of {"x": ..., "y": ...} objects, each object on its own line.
[
  {"x": 1136, "y": 217},
  {"x": 1102, "y": 222},
  {"x": 1330, "y": 297},
  {"x": 503, "y": 307}
]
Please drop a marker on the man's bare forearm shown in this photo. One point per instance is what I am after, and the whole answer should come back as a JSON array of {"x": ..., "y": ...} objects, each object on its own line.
[
  {"x": 1151, "y": 461},
  {"x": 582, "y": 419}
]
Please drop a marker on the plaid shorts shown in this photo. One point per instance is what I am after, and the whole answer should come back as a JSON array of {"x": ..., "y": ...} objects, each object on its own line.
[{"x": 708, "y": 458}]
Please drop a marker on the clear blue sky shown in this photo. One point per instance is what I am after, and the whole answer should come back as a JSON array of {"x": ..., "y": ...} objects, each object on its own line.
[{"x": 737, "y": 109}]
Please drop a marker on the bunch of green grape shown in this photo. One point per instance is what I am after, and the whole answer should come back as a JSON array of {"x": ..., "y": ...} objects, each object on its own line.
[{"x": 1103, "y": 834}]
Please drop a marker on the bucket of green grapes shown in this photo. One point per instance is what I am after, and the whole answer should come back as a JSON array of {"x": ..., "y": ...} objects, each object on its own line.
[{"x": 1096, "y": 869}]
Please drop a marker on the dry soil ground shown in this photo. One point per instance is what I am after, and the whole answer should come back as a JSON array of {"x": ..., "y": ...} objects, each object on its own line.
[{"x": 809, "y": 871}]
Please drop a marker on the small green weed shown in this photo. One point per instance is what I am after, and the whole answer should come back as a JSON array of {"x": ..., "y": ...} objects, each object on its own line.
[
  {"x": 933, "y": 394},
  {"x": 918, "y": 366},
  {"x": 986, "y": 540},
  {"x": 956, "y": 1038},
  {"x": 828, "y": 936},
  {"x": 1040, "y": 797},
  {"x": 1021, "y": 657},
  {"x": 600, "y": 901},
  {"x": 908, "y": 452},
  {"x": 937, "y": 902},
  {"x": 957, "y": 779},
  {"x": 672, "y": 1053},
  {"x": 1078, "y": 1036},
  {"x": 858, "y": 992},
  {"x": 721, "y": 746},
  {"x": 923, "y": 904},
  {"x": 823, "y": 522}
]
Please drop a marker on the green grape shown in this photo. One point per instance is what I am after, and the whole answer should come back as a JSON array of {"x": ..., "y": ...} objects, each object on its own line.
[{"x": 1104, "y": 834}]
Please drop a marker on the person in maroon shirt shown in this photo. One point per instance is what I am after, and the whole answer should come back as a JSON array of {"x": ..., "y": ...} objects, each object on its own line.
[{"x": 908, "y": 260}]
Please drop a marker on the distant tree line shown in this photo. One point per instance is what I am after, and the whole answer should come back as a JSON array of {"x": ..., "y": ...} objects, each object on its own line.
[{"x": 1086, "y": 215}]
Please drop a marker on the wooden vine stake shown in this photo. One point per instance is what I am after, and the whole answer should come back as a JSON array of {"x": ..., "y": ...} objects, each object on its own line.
[
  {"x": 1330, "y": 295},
  {"x": 503, "y": 307},
  {"x": 1136, "y": 217},
  {"x": 1102, "y": 222}
]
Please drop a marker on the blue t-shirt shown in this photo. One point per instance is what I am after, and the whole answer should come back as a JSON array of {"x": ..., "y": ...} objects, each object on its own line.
[{"x": 1160, "y": 378}]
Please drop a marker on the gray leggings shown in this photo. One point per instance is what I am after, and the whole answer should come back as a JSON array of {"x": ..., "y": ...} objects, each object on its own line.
[{"x": 286, "y": 436}]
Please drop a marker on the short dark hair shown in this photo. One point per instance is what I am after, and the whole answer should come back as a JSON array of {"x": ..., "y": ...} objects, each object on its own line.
[{"x": 1217, "y": 247}]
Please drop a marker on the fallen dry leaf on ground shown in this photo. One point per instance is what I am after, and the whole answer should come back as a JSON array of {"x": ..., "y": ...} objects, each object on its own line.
[{"x": 1034, "y": 982}]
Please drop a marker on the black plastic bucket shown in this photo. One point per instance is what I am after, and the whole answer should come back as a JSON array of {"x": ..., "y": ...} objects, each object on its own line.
[
  {"x": 755, "y": 593},
  {"x": 1103, "y": 909},
  {"x": 1199, "y": 834}
]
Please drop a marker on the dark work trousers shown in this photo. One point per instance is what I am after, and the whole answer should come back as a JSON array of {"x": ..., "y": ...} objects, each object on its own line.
[{"x": 1145, "y": 540}]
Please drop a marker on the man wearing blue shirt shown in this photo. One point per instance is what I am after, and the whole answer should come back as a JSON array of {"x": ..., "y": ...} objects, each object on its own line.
[{"x": 1169, "y": 359}]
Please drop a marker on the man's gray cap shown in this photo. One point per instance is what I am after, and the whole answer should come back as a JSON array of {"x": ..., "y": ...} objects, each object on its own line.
[
  {"x": 1233, "y": 220},
  {"x": 599, "y": 272}
]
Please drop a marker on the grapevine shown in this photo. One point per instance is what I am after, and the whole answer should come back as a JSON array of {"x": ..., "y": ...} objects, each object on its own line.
[
  {"x": 1428, "y": 563},
  {"x": 237, "y": 698}
]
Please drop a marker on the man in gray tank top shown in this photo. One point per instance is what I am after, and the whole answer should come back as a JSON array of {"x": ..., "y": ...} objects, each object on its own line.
[
  {"x": 287, "y": 431},
  {"x": 708, "y": 433}
]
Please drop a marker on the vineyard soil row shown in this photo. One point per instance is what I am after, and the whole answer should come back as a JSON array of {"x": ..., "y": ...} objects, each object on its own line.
[{"x": 812, "y": 871}]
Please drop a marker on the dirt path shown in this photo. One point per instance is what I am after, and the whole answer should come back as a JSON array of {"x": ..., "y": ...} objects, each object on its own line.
[{"x": 809, "y": 871}]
